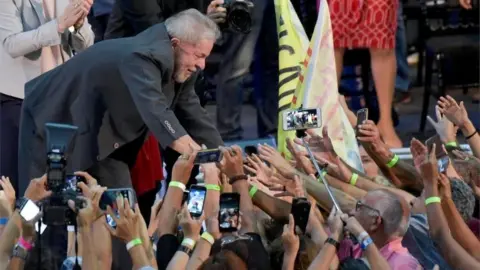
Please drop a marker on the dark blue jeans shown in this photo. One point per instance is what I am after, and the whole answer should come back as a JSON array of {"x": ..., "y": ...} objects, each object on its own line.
[
  {"x": 9, "y": 125},
  {"x": 402, "y": 81},
  {"x": 238, "y": 51}
]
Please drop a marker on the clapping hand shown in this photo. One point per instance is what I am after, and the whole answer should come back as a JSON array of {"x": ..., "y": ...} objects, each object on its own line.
[
  {"x": 419, "y": 153},
  {"x": 429, "y": 168},
  {"x": 73, "y": 14},
  {"x": 8, "y": 194},
  {"x": 455, "y": 113}
]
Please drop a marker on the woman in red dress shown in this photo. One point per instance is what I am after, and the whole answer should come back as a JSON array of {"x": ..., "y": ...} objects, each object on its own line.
[{"x": 370, "y": 24}]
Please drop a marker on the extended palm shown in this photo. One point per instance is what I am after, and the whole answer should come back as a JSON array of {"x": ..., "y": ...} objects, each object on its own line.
[{"x": 454, "y": 112}]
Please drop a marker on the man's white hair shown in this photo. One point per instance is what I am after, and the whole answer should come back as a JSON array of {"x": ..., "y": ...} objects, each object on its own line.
[
  {"x": 192, "y": 26},
  {"x": 395, "y": 215}
]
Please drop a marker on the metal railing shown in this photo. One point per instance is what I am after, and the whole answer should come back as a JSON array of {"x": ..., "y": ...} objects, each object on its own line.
[{"x": 404, "y": 153}]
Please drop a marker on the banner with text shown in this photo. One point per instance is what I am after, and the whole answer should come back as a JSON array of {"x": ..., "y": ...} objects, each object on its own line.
[
  {"x": 318, "y": 88},
  {"x": 293, "y": 43}
]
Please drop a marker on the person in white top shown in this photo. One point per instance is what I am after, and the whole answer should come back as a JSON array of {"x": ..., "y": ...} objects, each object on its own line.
[{"x": 35, "y": 37}]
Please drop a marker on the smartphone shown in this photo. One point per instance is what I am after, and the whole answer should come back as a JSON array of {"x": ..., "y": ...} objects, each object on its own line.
[
  {"x": 250, "y": 150},
  {"x": 208, "y": 156},
  {"x": 362, "y": 115},
  {"x": 301, "y": 212},
  {"x": 302, "y": 119},
  {"x": 229, "y": 215},
  {"x": 109, "y": 197},
  {"x": 185, "y": 196},
  {"x": 442, "y": 157},
  {"x": 196, "y": 199},
  {"x": 71, "y": 182},
  {"x": 29, "y": 211}
]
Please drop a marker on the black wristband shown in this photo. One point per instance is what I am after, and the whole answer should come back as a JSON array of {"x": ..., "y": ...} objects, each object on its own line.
[
  {"x": 333, "y": 242},
  {"x": 237, "y": 178},
  {"x": 471, "y": 135},
  {"x": 185, "y": 249}
]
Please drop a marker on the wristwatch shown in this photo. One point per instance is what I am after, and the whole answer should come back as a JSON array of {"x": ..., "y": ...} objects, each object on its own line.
[
  {"x": 185, "y": 249},
  {"x": 19, "y": 252},
  {"x": 20, "y": 202}
]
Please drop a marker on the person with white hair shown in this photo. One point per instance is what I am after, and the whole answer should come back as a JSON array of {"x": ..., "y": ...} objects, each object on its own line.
[
  {"x": 385, "y": 218},
  {"x": 117, "y": 91}
]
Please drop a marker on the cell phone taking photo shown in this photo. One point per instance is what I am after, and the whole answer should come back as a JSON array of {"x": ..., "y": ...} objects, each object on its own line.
[
  {"x": 302, "y": 119},
  {"x": 301, "y": 212},
  {"x": 109, "y": 198},
  {"x": 196, "y": 200},
  {"x": 229, "y": 215},
  {"x": 208, "y": 156},
  {"x": 362, "y": 115}
]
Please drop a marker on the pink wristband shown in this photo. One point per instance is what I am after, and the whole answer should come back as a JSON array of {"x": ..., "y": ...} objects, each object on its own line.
[{"x": 26, "y": 245}]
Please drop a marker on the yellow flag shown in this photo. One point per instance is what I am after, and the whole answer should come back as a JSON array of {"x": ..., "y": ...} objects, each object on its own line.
[
  {"x": 293, "y": 43},
  {"x": 318, "y": 88}
]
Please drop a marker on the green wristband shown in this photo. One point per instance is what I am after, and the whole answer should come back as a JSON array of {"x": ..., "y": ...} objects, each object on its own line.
[
  {"x": 353, "y": 179},
  {"x": 432, "y": 200},
  {"x": 252, "y": 191},
  {"x": 177, "y": 184},
  {"x": 212, "y": 187},
  {"x": 452, "y": 144},
  {"x": 393, "y": 161}
]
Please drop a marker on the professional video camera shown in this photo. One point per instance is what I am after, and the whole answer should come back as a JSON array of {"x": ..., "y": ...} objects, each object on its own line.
[
  {"x": 239, "y": 15},
  {"x": 55, "y": 208}
]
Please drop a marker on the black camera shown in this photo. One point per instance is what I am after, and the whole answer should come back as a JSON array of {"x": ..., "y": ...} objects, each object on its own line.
[
  {"x": 239, "y": 15},
  {"x": 55, "y": 209}
]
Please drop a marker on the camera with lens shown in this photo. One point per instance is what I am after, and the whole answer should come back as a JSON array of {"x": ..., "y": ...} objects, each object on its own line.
[
  {"x": 55, "y": 209},
  {"x": 239, "y": 15}
]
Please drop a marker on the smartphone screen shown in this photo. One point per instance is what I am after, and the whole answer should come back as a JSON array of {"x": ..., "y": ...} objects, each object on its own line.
[
  {"x": 229, "y": 214},
  {"x": 196, "y": 199},
  {"x": 110, "y": 220},
  {"x": 208, "y": 156},
  {"x": 250, "y": 150},
  {"x": 301, "y": 211},
  {"x": 302, "y": 119},
  {"x": 29, "y": 211},
  {"x": 109, "y": 197},
  {"x": 71, "y": 182},
  {"x": 362, "y": 115}
]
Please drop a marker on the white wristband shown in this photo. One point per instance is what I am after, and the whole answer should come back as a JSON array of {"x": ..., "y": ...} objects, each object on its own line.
[
  {"x": 188, "y": 242},
  {"x": 362, "y": 236},
  {"x": 70, "y": 228}
]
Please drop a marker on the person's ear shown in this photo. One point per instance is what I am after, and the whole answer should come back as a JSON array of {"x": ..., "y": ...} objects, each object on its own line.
[
  {"x": 175, "y": 42},
  {"x": 377, "y": 221}
]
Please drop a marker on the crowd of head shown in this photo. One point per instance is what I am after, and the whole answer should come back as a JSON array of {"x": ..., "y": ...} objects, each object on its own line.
[{"x": 394, "y": 215}]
